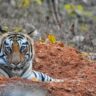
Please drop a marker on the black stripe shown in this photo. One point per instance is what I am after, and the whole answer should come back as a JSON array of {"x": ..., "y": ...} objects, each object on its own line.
[
  {"x": 35, "y": 74},
  {"x": 42, "y": 76}
]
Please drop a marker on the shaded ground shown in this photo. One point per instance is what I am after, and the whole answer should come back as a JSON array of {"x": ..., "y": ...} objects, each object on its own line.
[
  {"x": 11, "y": 87},
  {"x": 60, "y": 61}
]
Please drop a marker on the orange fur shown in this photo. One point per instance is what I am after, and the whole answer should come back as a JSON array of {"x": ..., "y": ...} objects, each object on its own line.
[{"x": 16, "y": 56}]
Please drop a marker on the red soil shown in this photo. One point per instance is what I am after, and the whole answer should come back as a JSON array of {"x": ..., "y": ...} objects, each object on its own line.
[{"x": 61, "y": 61}]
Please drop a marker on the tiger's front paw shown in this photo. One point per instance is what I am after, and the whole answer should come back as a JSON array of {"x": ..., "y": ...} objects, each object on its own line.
[{"x": 35, "y": 79}]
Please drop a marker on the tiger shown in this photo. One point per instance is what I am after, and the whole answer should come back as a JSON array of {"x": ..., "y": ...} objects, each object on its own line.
[{"x": 17, "y": 53}]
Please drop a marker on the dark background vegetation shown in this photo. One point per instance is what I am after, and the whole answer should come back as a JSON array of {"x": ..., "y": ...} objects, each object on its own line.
[{"x": 71, "y": 21}]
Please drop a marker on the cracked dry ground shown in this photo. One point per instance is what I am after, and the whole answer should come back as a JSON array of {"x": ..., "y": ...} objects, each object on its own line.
[{"x": 61, "y": 61}]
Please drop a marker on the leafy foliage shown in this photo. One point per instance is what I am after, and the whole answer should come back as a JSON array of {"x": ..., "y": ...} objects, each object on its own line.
[
  {"x": 5, "y": 28},
  {"x": 74, "y": 10},
  {"x": 70, "y": 8},
  {"x": 17, "y": 29},
  {"x": 25, "y": 3},
  {"x": 39, "y": 1},
  {"x": 84, "y": 27},
  {"x": 52, "y": 38}
]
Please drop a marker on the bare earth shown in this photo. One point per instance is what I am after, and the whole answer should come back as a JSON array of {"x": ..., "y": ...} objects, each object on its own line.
[{"x": 61, "y": 61}]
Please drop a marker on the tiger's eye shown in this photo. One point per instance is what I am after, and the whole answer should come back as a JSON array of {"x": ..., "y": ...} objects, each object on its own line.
[
  {"x": 23, "y": 49},
  {"x": 8, "y": 49}
]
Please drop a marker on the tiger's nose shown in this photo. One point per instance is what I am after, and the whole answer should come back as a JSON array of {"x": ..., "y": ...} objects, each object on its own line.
[{"x": 16, "y": 58}]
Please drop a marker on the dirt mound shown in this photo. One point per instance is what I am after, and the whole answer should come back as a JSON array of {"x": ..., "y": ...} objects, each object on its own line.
[{"x": 61, "y": 61}]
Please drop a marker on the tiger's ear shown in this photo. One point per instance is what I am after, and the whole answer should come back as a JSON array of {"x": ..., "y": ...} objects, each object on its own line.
[
  {"x": 2, "y": 36},
  {"x": 34, "y": 33}
]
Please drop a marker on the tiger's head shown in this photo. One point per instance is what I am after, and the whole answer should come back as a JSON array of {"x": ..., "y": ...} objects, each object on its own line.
[{"x": 17, "y": 50}]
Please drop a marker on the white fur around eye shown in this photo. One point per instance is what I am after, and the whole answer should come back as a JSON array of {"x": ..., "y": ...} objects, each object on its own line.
[{"x": 9, "y": 42}]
